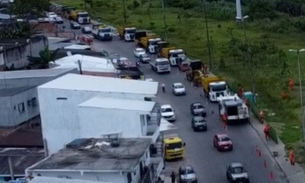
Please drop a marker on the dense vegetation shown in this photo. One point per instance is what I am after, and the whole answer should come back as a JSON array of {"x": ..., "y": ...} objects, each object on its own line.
[{"x": 256, "y": 58}]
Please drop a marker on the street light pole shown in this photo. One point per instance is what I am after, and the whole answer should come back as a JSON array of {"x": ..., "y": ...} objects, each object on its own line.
[
  {"x": 301, "y": 91},
  {"x": 124, "y": 12},
  {"x": 249, "y": 60},
  {"x": 208, "y": 35},
  {"x": 164, "y": 19}
]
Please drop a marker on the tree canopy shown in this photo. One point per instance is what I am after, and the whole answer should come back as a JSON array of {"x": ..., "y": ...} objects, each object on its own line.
[{"x": 22, "y": 7}]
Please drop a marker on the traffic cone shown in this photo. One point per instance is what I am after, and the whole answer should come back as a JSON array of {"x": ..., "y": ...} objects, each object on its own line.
[
  {"x": 271, "y": 175},
  {"x": 259, "y": 153},
  {"x": 265, "y": 163}
]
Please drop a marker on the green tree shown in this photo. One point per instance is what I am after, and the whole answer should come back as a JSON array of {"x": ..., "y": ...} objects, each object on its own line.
[
  {"x": 37, "y": 7},
  {"x": 19, "y": 30},
  {"x": 46, "y": 56}
]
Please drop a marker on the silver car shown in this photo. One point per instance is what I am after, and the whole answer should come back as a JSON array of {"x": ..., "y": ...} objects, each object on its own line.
[{"x": 236, "y": 173}]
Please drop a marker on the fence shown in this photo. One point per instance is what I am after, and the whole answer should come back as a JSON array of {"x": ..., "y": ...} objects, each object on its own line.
[{"x": 253, "y": 107}]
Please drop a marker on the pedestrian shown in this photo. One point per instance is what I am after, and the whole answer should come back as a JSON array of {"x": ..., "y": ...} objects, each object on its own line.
[
  {"x": 291, "y": 157},
  {"x": 224, "y": 121},
  {"x": 240, "y": 91},
  {"x": 163, "y": 87},
  {"x": 262, "y": 116},
  {"x": 173, "y": 177},
  {"x": 267, "y": 131},
  {"x": 247, "y": 103},
  {"x": 291, "y": 84},
  {"x": 284, "y": 95}
]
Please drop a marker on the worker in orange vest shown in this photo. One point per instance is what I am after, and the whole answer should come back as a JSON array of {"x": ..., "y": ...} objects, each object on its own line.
[
  {"x": 205, "y": 69},
  {"x": 247, "y": 103},
  {"x": 224, "y": 121},
  {"x": 291, "y": 157},
  {"x": 267, "y": 131},
  {"x": 240, "y": 92},
  {"x": 291, "y": 84},
  {"x": 284, "y": 95},
  {"x": 262, "y": 116}
]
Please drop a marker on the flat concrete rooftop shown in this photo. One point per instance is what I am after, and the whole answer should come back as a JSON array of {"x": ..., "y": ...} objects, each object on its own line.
[
  {"x": 96, "y": 155},
  {"x": 14, "y": 91}
]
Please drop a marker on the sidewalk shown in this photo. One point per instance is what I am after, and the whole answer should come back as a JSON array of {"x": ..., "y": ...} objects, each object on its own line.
[{"x": 294, "y": 174}]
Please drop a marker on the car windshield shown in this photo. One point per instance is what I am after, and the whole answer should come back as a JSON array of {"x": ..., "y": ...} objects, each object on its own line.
[
  {"x": 199, "y": 121},
  {"x": 84, "y": 15},
  {"x": 221, "y": 87},
  {"x": 162, "y": 63},
  {"x": 144, "y": 55},
  {"x": 198, "y": 106},
  {"x": 224, "y": 139},
  {"x": 174, "y": 145},
  {"x": 166, "y": 110},
  {"x": 139, "y": 50},
  {"x": 179, "y": 86},
  {"x": 238, "y": 170},
  {"x": 105, "y": 30},
  {"x": 131, "y": 31},
  {"x": 187, "y": 170}
]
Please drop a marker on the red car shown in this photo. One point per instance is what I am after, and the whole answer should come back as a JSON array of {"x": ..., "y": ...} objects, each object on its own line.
[
  {"x": 184, "y": 66},
  {"x": 222, "y": 142}
]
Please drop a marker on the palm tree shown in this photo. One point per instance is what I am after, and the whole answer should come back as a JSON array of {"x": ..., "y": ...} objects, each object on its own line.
[{"x": 46, "y": 56}]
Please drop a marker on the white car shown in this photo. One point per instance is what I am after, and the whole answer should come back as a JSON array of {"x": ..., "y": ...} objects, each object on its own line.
[
  {"x": 51, "y": 15},
  {"x": 178, "y": 89},
  {"x": 139, "y": 51},
  {"x": 168, "y": 113},
  {"x": 149, "y": 79}
]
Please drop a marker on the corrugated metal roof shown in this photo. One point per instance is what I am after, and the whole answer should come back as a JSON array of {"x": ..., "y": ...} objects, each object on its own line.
[
  {"x": 21, "y": 159},
  {"x": 60, "y": 180},
  {"x": 102, "y": 84}
]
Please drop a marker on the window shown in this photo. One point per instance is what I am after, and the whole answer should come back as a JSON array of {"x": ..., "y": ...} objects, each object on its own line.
[
  {"x": 21, "y": 108},
  {"x": 34, "y": 102}
]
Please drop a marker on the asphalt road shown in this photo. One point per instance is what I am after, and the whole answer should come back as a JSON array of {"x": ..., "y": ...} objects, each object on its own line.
[{"x": 209, "y": 164}]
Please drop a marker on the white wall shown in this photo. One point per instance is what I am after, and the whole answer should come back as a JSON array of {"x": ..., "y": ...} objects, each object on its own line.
[
  {"x": 16, "y": 109},
  {"x": 60, "y": 118},
  {"x": 97, "y": 121}
]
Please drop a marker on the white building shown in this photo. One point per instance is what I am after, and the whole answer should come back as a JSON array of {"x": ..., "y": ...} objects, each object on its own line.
[
  {"x": 100, "y": 160},
  {"x": 61, "y": 180},
  {"x": 102, "y": 115},
  {"x": 59, "y": 100},
  {"x": 89, "y": 65}
]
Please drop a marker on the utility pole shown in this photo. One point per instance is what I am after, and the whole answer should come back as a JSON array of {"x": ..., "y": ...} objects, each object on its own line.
[
  {"x": 164, "y": 19},
  {"x": 124, "y": 12},
  {"x": 208, "y": 35}
]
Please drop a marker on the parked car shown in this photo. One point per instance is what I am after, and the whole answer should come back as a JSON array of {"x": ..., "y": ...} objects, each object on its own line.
[
  {"x": 198, "y": 109},
  {"x": 51, "y": 14},
  {"x": 75, "y": 25},
  {"x": 168, "y": 113},
  {"x": 58, "y": 20},
  {"x": 184, "y": 66},
  {"x": 236, "y": 173},
  {"x": 222, "y": 142},
  {"x": 144, "y": 58},
  {"x": 138, "y": 51},
  {"x": 86, "y": 30},
  {"x": 178, "y": 89},
  {"x": 187, "y": 174},
  {"x": 199, "y": 123}
]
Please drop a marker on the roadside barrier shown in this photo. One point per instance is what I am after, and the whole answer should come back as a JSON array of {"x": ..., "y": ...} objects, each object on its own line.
[
  {"x": 233, "y": 87},
  {"x": 86, "y": 39}
]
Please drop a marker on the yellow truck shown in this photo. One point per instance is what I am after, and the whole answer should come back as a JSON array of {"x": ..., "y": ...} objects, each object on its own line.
[
  {"x": 127, "y": 33},
  {"x": 144, "y": 41},
  {"x": 173, "y": 147},
  {"x": 214, "y": 87},
  {"x": 174, "y": 55}
]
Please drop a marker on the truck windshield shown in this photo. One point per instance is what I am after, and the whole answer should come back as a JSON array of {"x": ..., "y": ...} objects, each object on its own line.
[
  {"x": 174, "y": 145},
  {"x": 154, "y": 43},
  {"x": 232, "y": 110},
  {"x": 164, "y": 63},
  {"x": 105, "y": 30},
  {"x": 131, "y": 31},
  {"x": 83, "y": 15},
  {"x": 216, "y": 88},
  {"x": 178, "y": 54}
]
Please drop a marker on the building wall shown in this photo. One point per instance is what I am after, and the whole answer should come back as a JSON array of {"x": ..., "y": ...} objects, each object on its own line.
[
  {"x": 2, "y": 67},
  {"x": 97, "y": 121},
  {"x": 17, "y": 57},
  {"x": 59, "y": 113},
  {"x": 18, "y": 108}
]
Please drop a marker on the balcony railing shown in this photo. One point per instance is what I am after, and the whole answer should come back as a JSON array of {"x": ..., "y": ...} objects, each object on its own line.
[{"x": 155, "y": 117}]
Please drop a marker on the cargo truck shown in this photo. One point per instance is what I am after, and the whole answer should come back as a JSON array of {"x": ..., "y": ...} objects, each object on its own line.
[
  {"x": 127, "y": 33},
  {"x": 234, "y": 109},
  {"x": 101, "y": 32},
  {"x": 174, "y": 55},
  {"x": 160, "y": 45},
  {"x": 160, "y": 65},
  {"x": 173, "y": 147},
  {"x": 195, "y": 74},
  {"x": 150, "y": 43},
  {"x": 214, "y": 87},
  {"x": 138, "y": 35}
]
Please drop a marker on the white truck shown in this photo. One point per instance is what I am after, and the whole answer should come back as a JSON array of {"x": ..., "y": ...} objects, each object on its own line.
[
  {"x": 101, "y": 32},
  {"x": 234, "y": 108},
  {"x": 174, "y": 55},
  {"x": 160, "y": 65},
  {"x": 83, "y": 18},
  {"x": 127, "y": 33}
]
